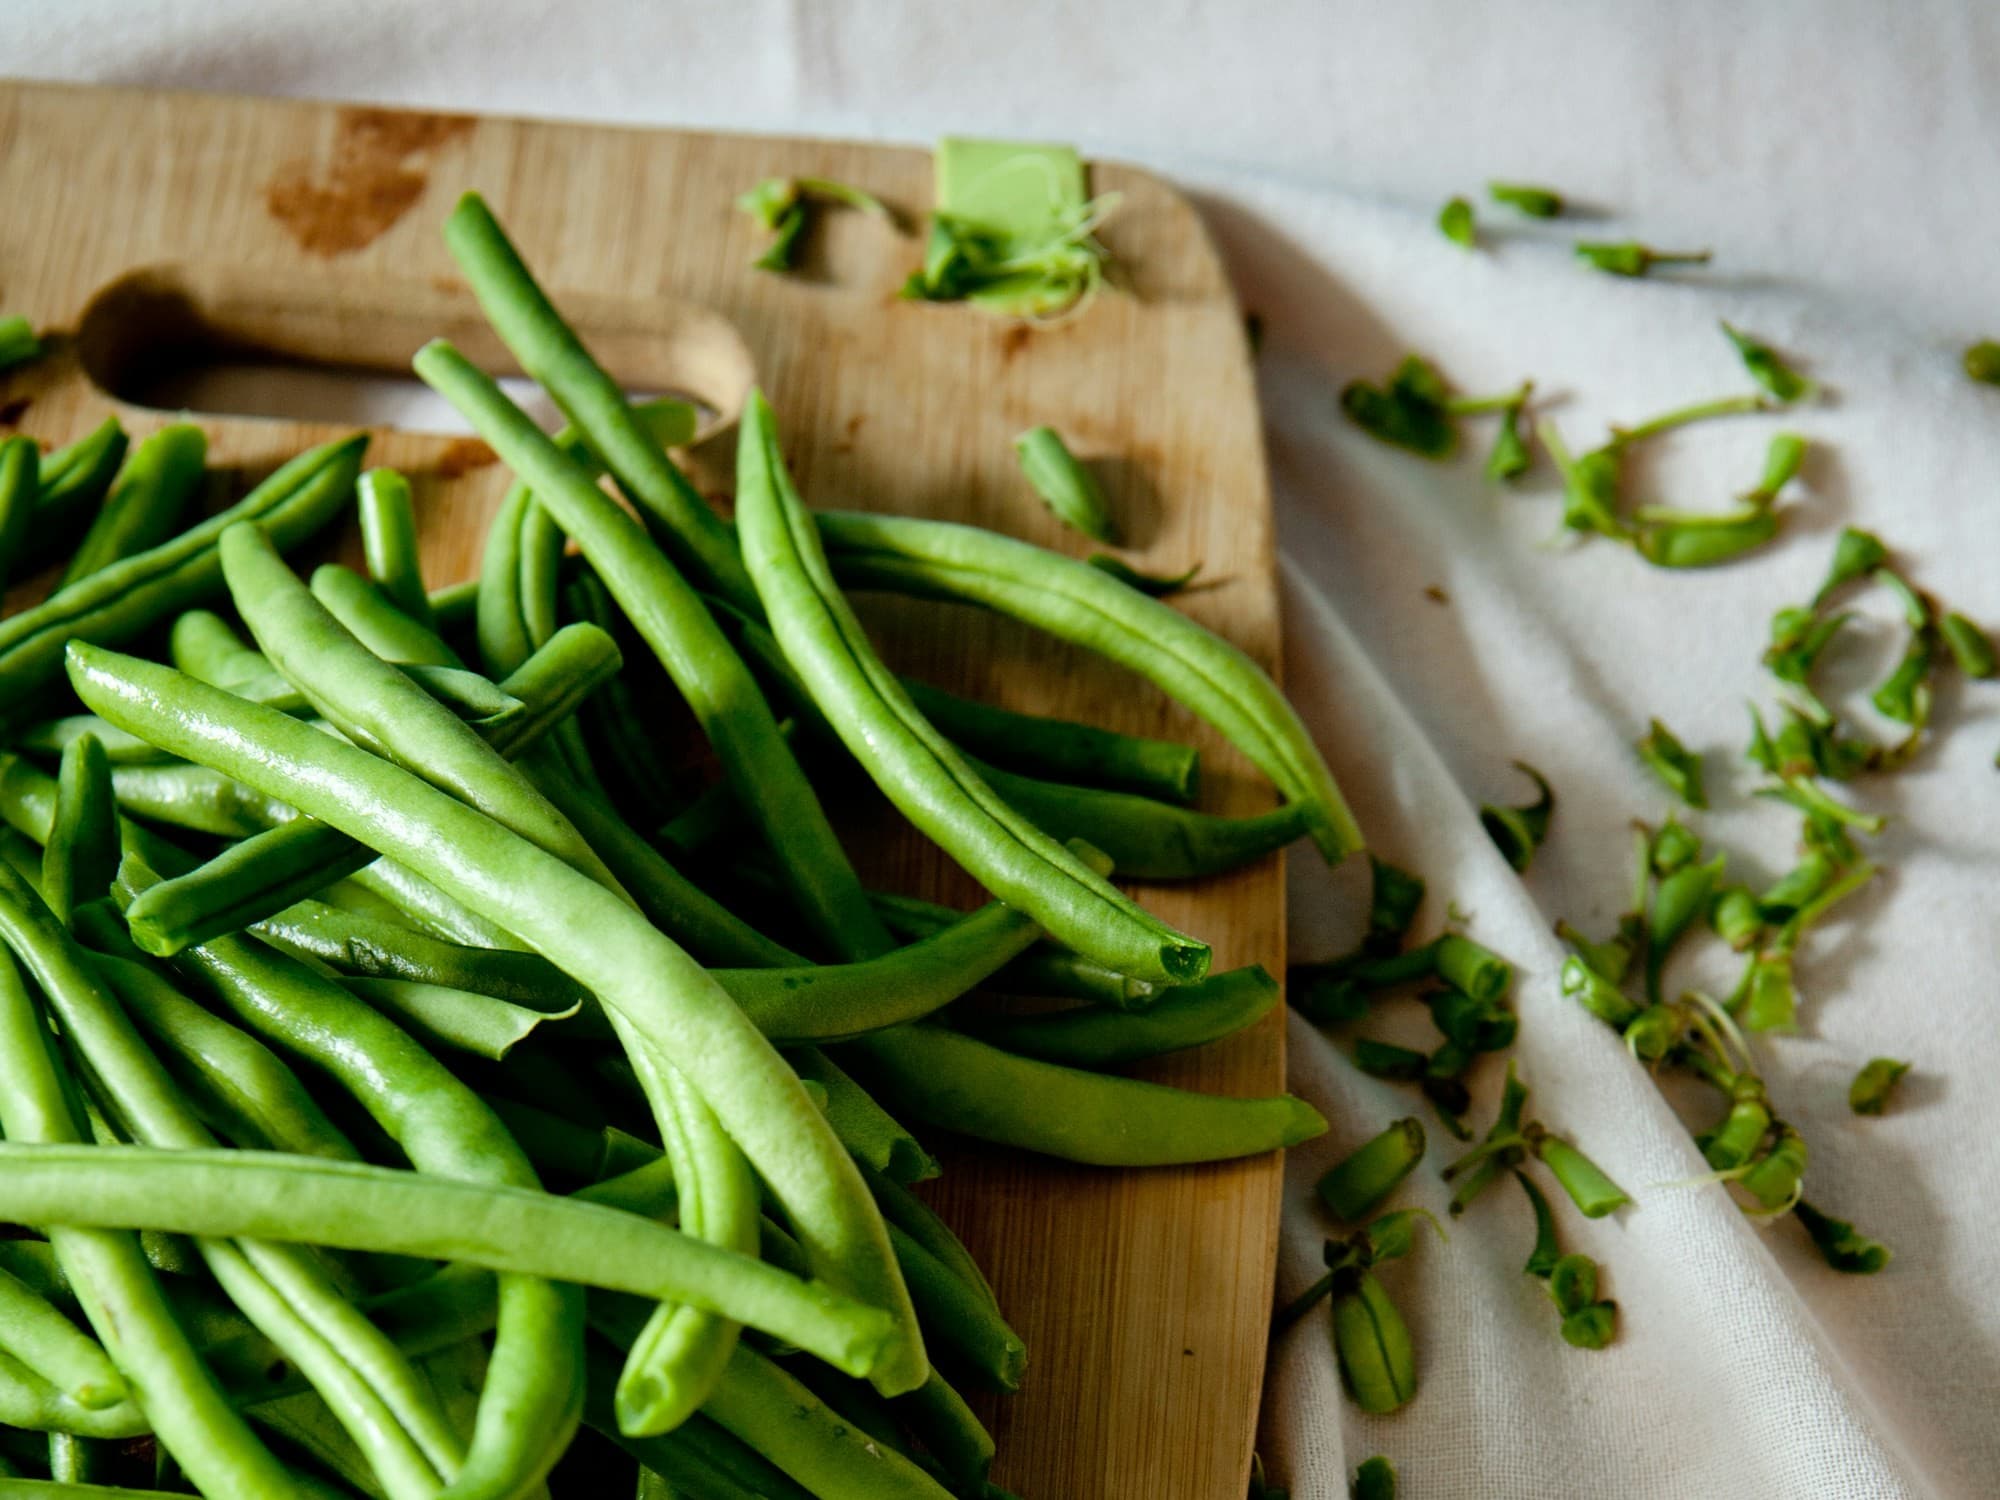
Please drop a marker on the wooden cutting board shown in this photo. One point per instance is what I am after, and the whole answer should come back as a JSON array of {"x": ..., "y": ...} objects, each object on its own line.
[{"x": 158, "y": 232}]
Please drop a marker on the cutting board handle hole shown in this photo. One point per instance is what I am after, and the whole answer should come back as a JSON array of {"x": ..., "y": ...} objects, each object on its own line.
[{"x": 322, "y": 348}]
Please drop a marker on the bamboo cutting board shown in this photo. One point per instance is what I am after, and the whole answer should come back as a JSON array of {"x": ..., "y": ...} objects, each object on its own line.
[{"x": 162, "y": 233}]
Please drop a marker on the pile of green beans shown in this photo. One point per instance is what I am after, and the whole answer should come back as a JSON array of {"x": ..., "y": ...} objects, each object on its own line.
[{"x": 384, "y": 1101}]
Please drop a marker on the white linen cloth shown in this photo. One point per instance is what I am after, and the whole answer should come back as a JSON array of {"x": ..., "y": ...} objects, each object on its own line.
[{"x": 1839, "y": 159}]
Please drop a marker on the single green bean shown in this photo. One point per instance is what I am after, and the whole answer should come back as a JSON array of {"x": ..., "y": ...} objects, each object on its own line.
[
  {"x": 1065, "y": 485},
  {"x": 833, "y": 1003},
  {"x": 376, "y": 621},
  {"x": 50, "y": 1345},
  {"x": 1078, "y": 603},
  {"x": 389, "y": 542},
  {"x": 53, "y": 736},
  {"x": 203, "y": 645},
  {"x": 352, "y": 1206},
  {"x": 919, "y": 771},
  {"x": 127, "y": 598},
  {"x": 600, "y": 942},
  {"x": 20, "y": 482},
  {"x": 904, "y": 1210},
  {"x": 1707, "y": 542},
  {"x": 961, "y": 1084},
  {"x": 967, "y": 1330},
  {"x": 1147, "y": 840},
  {"x": 147, "y": 502},
  {"x": 876, "y": 1139},
  {"x": 81, "y": 857},
  {"x": 678, "y": 626},
  {"x": 459, "y": 1019},
  {"x": 1044, "y": 969},
  {"x": 120, "y": 1295},
  {"x": 18, "y": 344},
  {"x": 529, "y": 325},
  {"x": 1090, "y": 1036},
  {"x": 1059, "y": 750},
  {"x": 951, "y": 1433}
]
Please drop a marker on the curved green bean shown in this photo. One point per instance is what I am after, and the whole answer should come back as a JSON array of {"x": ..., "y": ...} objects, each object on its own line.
[
  {"x": 34, "y": 1332},
  {"x": 529, "y": 325},
  {"x": 146, "y": 503},
  {"x": 118, "y": 1290},
  {"x": 353, "y": 1206},
  {"x": 1148, "y": 840},
  {"x": 1059, "y": 750},
  {"x": 1079, "y": 603},
  {"x": 203, "y": 645},
  {"x": 961, "y": 1084},
  {"x": 389, "y": 542},
  {"x": 1092, "y": 1037},
  {"x": 121, "y": 601},
  {"x": 599, "y": 941},
  {"x": 673, "y": 620},
  {"x": 460, "y": 1019},
  {"x": 919, "y": 771},
  {"x": 835, "y": 1002}
]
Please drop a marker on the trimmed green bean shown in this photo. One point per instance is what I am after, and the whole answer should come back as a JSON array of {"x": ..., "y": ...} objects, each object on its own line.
[
  {"x": 127, "y": 598},
  {"x": 119, "y": 1293},
  {"x": 389, "y": 542},
  {"x": 961, "y": 1084},
  {"x": 1065, "y": 485},
  {"x": 20, "y": 482},
  {"x": 1092, "y": 1037},
  {"x": 53, "y": 1347},
  {"x": 73, "y": 481},
  {"x": 1080, "y": 604},
  {"x": 353, "y": 1206},
  {"x": 919, "y": 771},
  {"x": 1060, "y": 750},
  {"x": 146, "y": 503},
  {"x": 529, "y": 325},
  {"x": 1148, "y": 840},
  {"x": 600, "y": 942},
  {"x": 1044, "y": 969},
  {"x": 672, "y": 619}
]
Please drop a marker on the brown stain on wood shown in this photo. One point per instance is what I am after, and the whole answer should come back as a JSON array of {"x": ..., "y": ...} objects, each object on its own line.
[
  {"x": 12, "y": 411},
  {"x": 379, "y": 168},
  {"x": 1014, "y": 340},
  {"x": 461, "y": 456}
]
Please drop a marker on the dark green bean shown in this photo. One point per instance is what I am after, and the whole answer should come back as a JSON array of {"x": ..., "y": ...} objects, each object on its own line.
[
  {"x": 677, "y": 625},
  {"x": 1059, "y": 750},
  {"x": 904, "y": 1210},
  {"x": 147, "y": 502},
  {"x": 602, "y": 943},
  {"x": 1078, "y": 603},
  {"x": 919, "y": 771},
  {"x": 874, "y": 1137},
  {"x": 613, "y": 723},
  {"x": 961, "y": 1084},
  {"x": 127, "y": 598},
  {"x": 73, "y": 481},
  {"x": 1044, "y": 969},
  {"x": 1092, "y": 1037},
  {"x": 951, "y": 1433},
  {"x": 389, "y": 542},
  {"x": 82, "y": 853},
  {"x": 698, "y": 540},
  {"x": 965, "y": 1328},
  {"x": 20, "y": 481}
]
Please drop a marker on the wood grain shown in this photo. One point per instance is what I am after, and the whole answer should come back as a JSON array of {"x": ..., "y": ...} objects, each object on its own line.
[{"x": 159, "y": 229}]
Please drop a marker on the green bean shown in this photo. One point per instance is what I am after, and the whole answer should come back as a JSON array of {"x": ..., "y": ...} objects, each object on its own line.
[
  {"x": 529, "y": 325},
  {"x": 1147, "y": 840},
  {"x": 376, "y": 706},
  {"x": 53, "y": 736},
  {"x": 120, "y": 1296},
  {"x": 374, "y": 620},
  {"x": 389, "y": 542},
  {"x": 73, "y": 481},
  {"x": 967, "y": 1330},
  {"x": 961, "y": 1084},
  {"x": 1080, "y": 604},
  {"x": 829, "y": 1004},
  {"x": 1705, "y": 541},
  {"x": 600, "y": 942},
  {"x": 874, "y": 1137},
  {"x": 677, "y": 625},
  {"x": 1092, "y": 1037},
  {"x": 1377, "y": 1358},
  {"x": 203, "y": 645},
  {"x": 190, "y": 797},
  {"x": 909, "y": 760},
  {"x": 1043, "y": 970},
  {"x": 54, "y": 1348},
  {"x": 1065, "y": 485},
  {"x": 444, "y": 1129},
  {"x": 1059, "y": 750},
  {"x": 671, "y": 1457},
  {"x": 951, "y": 1433},
  {"x": 345, "y": 1205},
  {"x": 616, "y": 727},
  {"x": 125, "y": 599},
  {"x": 146, "y": 503},
  {"x": 904, "y": 1210},
  {"x": 1368, "y": 1174},
  {"x": 266, "y": 873},
  {"x": 20, "y": 481},
  {"x": 18, "y": 344},
  {"x": 454, "y": 606},
  {"x": 372, "y": 1390},
  {"x": 81, "y": 857},
  {"x": 461, "y": 1019}
]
